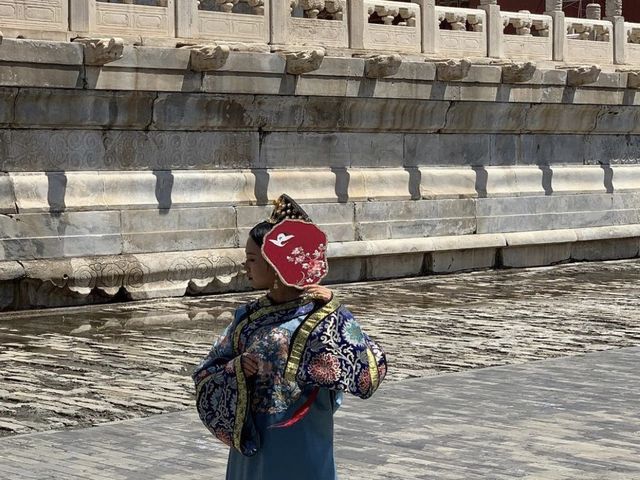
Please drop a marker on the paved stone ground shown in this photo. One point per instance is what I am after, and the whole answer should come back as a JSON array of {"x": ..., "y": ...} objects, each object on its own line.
[
  {"x": 78, "y": 367},
  {"x": 570, "y": 418}
]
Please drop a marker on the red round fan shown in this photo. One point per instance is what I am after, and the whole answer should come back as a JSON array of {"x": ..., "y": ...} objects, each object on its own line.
[{"x": 297, "y": 250}]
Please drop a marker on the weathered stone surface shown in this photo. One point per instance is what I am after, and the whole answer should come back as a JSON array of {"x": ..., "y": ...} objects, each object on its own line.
[
  {"x": 32, "y": 75},
  {"x": 340, "y": 67},
  {"x": 146, "y": 68},
  {"x": 331, "y": 150},
  {"x": 7, "y": 101},
  {"x": 518, "y": 257},
  {"x": 43, "y": 52},
  {"x": 460, "y": 149},
  {"x": 61, "y": 108},
  {"x": 605, "y": 249},
  {"x": 430, "y": 218},
  {"x": 46, "y": 150},
  {"x": 461, "y": 260},
  {"x": 618, "y": 119},
  {"x": 11, "y": 271},
  {"x": 7, "y": 198},
  {"x": 205, "y": 58},
  {"x": 562, "y": 118},
  {"x": 31, "y": 236},
  {"x": 178, "y": 229},
  {"x": 578, "y": 76},
  {"x": 518, "y": 72},
  {"x": 552, "y": 213},
  {"x": 160, "y": 189},
  {"x": 380, "y": 66},
  {"x": 384, "y": 115},
  {"x": 179, "y": 111},
  {"x": 540, "y": 149},
  {"x": 452, "y": 70},
  {"x": 612, "y": 150},
  {"x": 304, "y": 61},
  {"x": 485, "y": 117},
  {"x": 336, "y": 220},
  {"x": 407, "y": 266},
  {"x": 100, "y": 51},
  {"x": 633, "y": 80}
]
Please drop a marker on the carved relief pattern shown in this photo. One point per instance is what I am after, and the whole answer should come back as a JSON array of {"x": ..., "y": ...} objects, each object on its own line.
[
  {"x": 153, "y": 18},
  {"x": 583, "y": 30},
  {"x": 38, "y": 14},
  {"x": 54, "y": 150},
  {"x": 633, "y": 35},
  {"x": 149, "y": 3},
  {"x": 250, "y": 7},
  {"x": 527, "y": 25},
  {"x": 318, "y": 9},
  {"x": 403, "y": 16},
  {"x": 109, "y": 276},
  {"x": 203, "y": 269},
  {"x": 460, "y": 19}
]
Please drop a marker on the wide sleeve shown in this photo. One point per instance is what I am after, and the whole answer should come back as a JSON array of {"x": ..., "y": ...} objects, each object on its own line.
[
  {"x": 338, "y": 355},
  {"x": 222, "y": 394}
]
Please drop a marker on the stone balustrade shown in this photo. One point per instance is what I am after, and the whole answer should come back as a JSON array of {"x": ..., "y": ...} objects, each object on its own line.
[
  {"x": 461, "y": 32},
  {"x": 347, "y": 26},
  {"x": 633, "y": 43},
  {"x": 131, "y": 18},
  {"x": 390, "y": 25},
  {"x": 589, "y": 40},
  {"x": 527, "y": 36},
  {"x": 322, "y": 23}
]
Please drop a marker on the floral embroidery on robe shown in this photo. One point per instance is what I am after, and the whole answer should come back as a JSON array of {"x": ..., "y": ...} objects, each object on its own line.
[{"x": 300, "y": 345}]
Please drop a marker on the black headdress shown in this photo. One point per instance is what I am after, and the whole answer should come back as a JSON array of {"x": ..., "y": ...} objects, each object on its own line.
[{"x": 285, "y": 207}]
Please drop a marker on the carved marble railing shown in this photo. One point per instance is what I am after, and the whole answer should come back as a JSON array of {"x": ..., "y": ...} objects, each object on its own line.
[
  {"x": 321, "y": 23},
  {"x": 589, "y": 40},
  {"x": 224, "y": 20},
  {"x": 527, "y": 36},
  {"x": 351, "y": 26},
  {"x": 388, "y": 26},
  {"x": 461, "y": 32},
  {"x": 148, "y": 18},
  {"x": 32, "y": 18},
  {"x": 633, "y": 43}
]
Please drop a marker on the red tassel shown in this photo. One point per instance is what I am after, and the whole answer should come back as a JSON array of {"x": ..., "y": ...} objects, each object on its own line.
[{"x": 300, "y": 413}]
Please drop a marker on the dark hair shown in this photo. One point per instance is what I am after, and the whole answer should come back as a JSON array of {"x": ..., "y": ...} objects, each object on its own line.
[{"x": 259, "y": 231}]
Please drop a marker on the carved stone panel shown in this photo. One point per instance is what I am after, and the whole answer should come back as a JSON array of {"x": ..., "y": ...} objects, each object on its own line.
[
  {"x": 135, "y": 20},
  {"x": 50, "y": 15}
]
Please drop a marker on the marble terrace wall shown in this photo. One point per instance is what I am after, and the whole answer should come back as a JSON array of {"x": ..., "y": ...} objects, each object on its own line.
[{"x": 134, "y": 171}]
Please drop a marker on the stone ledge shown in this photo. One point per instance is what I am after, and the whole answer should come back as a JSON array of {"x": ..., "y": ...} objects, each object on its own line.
[
  {"x": 41, "y": 52},
  {"x": 7, "y": 198},
  {"x": 139, "y": 110},
  {"x": 60, "y": 65},
  {"x": 75, "y": 281},
  {"x": 107, "y": 190}
]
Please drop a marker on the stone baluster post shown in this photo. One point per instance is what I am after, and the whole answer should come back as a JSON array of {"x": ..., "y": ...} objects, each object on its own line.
[
  {"x": 280, "y": 12},
  {"x": 187, "y": 18},
  {"x": 357, "y": 23},
  {"x": 493, "y": 27},
  {"x": 613, "y": 13},
  {"x": 554, "y": 9},
  {"x": 594, "y": 11},
  {"x": 430, "y": 25},
  {"x": 82, "y": 16}
]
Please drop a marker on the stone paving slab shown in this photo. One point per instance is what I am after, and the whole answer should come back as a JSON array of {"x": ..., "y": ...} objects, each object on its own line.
[
  {"x": 571, "y": 418},
  {"x": 84, "y": 366}
]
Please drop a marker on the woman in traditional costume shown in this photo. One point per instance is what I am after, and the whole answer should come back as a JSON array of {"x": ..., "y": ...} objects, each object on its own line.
[{"x": 272, "y": 381}]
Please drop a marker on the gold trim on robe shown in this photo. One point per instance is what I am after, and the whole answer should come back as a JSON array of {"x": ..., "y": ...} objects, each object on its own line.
[
  {"x": 242, "y": 405},
  {"x": 302, "y": 335}
]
